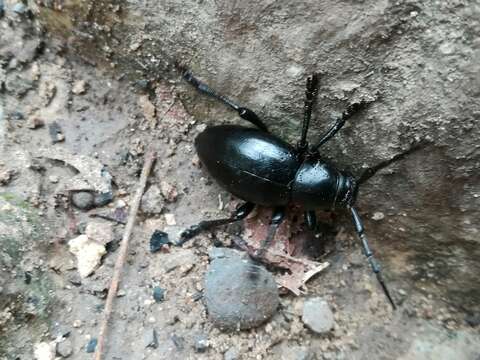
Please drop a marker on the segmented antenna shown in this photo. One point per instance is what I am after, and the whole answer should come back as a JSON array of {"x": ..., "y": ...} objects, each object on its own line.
[{"x": 368, "y": 253}]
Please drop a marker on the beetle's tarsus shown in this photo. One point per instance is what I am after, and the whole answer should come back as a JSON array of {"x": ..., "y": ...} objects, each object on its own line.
[
  {"x": 347, "y": 114},
  {"x": 241, "y": 213}
]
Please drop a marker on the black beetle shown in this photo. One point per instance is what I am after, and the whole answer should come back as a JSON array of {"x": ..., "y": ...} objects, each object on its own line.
[{"x": 260, "y": 168}]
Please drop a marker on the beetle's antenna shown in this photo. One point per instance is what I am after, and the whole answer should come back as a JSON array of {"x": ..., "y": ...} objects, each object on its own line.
[
  {"x": 310, "y": 97},
  {"x": 371, "y": 171},
  {"x": 368, "y": 253}
]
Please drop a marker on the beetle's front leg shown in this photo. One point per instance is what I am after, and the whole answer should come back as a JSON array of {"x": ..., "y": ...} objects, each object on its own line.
[{"x": 351, "y": 110}]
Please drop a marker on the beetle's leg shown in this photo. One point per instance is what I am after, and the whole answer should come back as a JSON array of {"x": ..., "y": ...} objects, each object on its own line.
[
  {"x": 241, "y": 213},
  {"x": 311, "y": 219},
  {"x": 277, "y": 218},
  {"x": 243, "y": 112},
  {"x": 310, "y": 97},
  {"x": 368, "y": 253},
  {"x": 351, "y": 110}
]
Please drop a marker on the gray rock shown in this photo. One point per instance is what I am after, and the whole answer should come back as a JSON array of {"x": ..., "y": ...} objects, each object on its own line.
[
  {"x": 178, "y": 341},
  {"x": 201, "y": 344},
  {"x": 56, "y": 132},
  {"x": 102, "y": 199},
  {"x": 91, "y": 345},
  {"x": 18, "y": 85},
  {"x": 152, "y": 201},
  {"x": 150, "y": 339},
  {"x": 84, "y": 200},
  {"x": 158, "y": 294},
  {"x": 245, "y": 303},
  {"x": 20, "y": 8},
  {"x": 231, "y": 354},
  {"x": 473, "y": 320},
  {"x": 318, "y": 316},
  {"x": 290, "y": 351},
  {"x": 65, "y": 348}
]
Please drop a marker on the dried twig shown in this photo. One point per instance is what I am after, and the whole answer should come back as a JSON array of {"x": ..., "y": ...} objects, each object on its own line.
[{"x": 122, "y": 255}]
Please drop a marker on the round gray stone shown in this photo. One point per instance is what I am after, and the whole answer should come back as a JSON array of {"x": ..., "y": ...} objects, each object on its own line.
[
  {"x": 83, "y": 200},
  {"x": 318, "y": 316},
  {"x": 65, "y": 348},
  {"x": 239, "y": 294}
]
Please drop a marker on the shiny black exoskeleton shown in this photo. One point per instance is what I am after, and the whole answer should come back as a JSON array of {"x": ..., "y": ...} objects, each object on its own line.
[
  {"x": 258, "y": 167},
  {"x": 261, "y": 169}
]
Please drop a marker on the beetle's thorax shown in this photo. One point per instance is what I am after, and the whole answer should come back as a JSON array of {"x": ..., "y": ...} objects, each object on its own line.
[{"x": 320, "y": 185}]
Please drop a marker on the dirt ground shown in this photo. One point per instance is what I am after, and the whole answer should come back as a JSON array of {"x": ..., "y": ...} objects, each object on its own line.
[{"x": 106, "y": 118}]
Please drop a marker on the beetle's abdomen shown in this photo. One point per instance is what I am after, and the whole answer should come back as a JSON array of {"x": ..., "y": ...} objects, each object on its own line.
[
  {"x": 251, "y": 164},
  {"x": 317, "y": 185}
]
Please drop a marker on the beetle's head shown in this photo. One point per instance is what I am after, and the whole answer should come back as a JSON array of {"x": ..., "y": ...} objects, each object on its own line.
[{"x": 347, "y": 189}]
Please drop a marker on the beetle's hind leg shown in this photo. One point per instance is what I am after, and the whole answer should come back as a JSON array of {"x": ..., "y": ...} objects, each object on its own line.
[
  {"x": 241, "y": 213},
  {"x": 243, "y": 112}
]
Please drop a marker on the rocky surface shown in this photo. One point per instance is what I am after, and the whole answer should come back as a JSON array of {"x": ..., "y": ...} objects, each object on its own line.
[
  {"x": 415, "y": 60},
  {"x": 425, "y": 235}
]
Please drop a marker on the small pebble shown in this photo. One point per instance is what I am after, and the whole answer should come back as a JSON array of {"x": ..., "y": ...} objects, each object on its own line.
[
  {"x": 77, "y": 324},
  {"x": 65, "y": 348},
  {"x": 44, "y": 351},
  {"x": 169, "y": 191},
  {"x": 80, "y": 87},
  {"x": 377, "y": 216},
  {"x": 53, "y": 179},
  {"x": 473, "y": 320},
  {"x": 102, "y": 199},
  {"x": 158, "y": 240},
  {"x": 178, "y": 341},
  {"x": 35, "y": 122},
  {"x": 83, "y": 200},
  {"x": 318, "y": 316},
  {"x": 56, "y": 133},
  {"x": 150, "y": 339},
  {"x": 231, "y": 354},
  {"x": 91, "y": 345},
  {"x": 158, "y": 294},
  {"x": 20, "y": 8},
  {"x": 201, "y": 344},
  {"x": 152, "y": 201},
  {"x": 170, "y": 219}
]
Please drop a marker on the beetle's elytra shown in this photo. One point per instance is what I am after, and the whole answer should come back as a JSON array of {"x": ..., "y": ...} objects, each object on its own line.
[{"x": 261, "y": 169}]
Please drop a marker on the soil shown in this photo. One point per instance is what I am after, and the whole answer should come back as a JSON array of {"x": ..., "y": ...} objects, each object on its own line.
[{"x": 105, "y": 117}]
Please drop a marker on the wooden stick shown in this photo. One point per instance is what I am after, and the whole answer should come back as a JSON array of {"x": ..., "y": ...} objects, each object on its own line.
[{"x": 122, "y": 255}]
